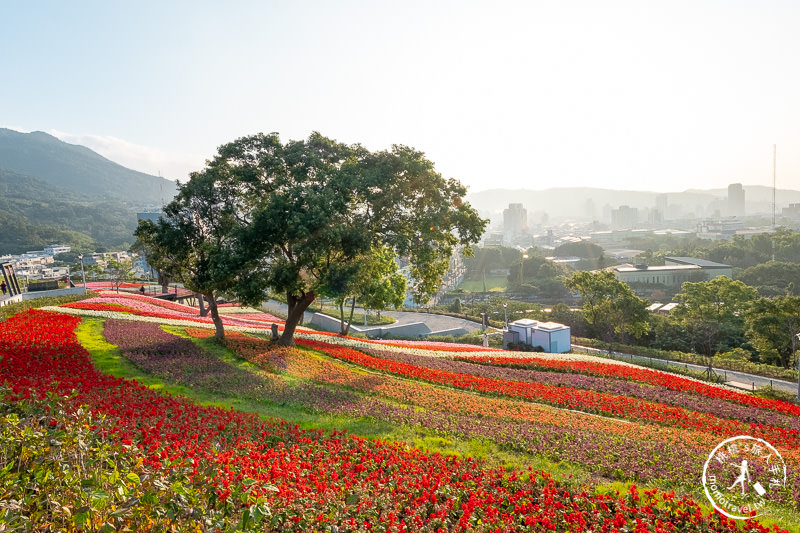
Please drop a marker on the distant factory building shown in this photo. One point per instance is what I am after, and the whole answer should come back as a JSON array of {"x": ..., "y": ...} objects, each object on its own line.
[{"x": 675, "y": 271}]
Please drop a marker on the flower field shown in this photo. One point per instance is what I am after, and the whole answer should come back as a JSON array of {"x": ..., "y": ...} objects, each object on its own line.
[{"x": 171, "y": 464}]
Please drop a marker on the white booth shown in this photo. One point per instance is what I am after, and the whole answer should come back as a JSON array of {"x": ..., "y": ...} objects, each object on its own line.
[{"x": 551, "y": 336}]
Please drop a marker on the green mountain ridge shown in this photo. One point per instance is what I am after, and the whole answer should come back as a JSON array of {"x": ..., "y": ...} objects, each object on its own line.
[
  {"x": 34, "y": 213},
  {"x": 55, "y": 192},
  {"x": 78, "y": 168}
]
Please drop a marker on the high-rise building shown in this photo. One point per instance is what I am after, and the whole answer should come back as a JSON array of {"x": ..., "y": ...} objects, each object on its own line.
[
  {"x": 515, "y": 221},
  {"x": 661, "y": 208},
  {"x": 625, "y": 217},
  {"x": 735, "y": 200}
]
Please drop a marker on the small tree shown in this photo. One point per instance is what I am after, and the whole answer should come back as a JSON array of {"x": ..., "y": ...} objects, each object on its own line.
[
  {"x": 192, "y": 243},
  {"x": 712, "y": 313},
  {"x": 609, "y": 305},
  {"x": 118, "y": 271},
  {"x": 772, "y": 325}
]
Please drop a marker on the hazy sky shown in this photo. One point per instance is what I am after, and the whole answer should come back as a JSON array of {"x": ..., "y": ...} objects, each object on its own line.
[{"x": 661, "y": 96}]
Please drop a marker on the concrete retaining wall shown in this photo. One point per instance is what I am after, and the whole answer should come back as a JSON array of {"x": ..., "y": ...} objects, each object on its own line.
[
  {"x": 10, "y": 300},
  {"x": 329, "y": 323},
  {"x": 52, "y": 294}
]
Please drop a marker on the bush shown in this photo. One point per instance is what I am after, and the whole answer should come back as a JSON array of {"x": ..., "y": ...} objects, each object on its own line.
[{"x": 59, "y": 473}]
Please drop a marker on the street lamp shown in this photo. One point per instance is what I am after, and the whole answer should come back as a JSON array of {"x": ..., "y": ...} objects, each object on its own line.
[
  {"x": 798, "y": 373},
  {"x": 505, "y": 316},
  {"x": 83, "y": 274}
]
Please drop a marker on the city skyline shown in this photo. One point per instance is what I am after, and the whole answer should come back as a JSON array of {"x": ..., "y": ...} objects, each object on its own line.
[{"x": 625, "y": 95}]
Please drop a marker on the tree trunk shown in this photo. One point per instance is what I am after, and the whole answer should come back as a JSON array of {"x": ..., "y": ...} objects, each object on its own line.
[
  {"x": 346, "y": 328},
  {"x": 297, "y": 306},
  {"x": 203, "y": 309},
  {"x": 219, "y": 329},
  {"x": 164, "y": 282}
]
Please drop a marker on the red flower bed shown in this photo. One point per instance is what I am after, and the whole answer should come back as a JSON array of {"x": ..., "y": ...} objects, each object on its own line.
[
  {"x": 323, "y": 480},
  {"x": 569, "y": 397},
  {"x": 669, "y": 381}
]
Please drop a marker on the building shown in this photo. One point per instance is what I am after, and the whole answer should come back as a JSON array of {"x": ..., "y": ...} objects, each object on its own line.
[
  {"x": 551, "y": 336},
  {"x": 793, "y": 211},
  {"x": 515, "y": 221},
  {"x": 735, "y": 200},
  {"x": 673, "y": 273},
  {"x": 624, "y": 217},
  {"x": 55, "y": 249},
  {"x": 720, "y": 229}
]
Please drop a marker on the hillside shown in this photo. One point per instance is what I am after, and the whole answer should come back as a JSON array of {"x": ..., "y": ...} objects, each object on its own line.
[
  {"x": 79, "y": 169},
  {"x": 339, "y": 434},
  {"x": 35, "y": 213},
  {"x": 54, "y": 192}
]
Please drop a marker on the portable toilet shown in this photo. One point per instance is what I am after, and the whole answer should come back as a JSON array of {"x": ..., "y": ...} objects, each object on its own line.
[
  {"x": 524, "y": 328},
  {"x": 551, "y": 336}
]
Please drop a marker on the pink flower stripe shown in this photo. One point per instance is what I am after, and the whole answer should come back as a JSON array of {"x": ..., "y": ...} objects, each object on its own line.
[
  {"x": 669, "y": 381},
  {"x": 143, "y": 309},
  {"x": 166, "y": 304},
  {"x": 434, "y": 345}
]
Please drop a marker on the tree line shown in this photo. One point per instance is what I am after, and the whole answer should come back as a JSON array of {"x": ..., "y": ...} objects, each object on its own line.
[{"x": 718, "y": 316}]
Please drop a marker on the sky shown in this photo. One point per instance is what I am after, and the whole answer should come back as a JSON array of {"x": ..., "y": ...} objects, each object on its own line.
[{"x": 639, "y": 95}]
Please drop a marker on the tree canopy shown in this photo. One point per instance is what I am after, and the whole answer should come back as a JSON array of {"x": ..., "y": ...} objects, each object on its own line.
[
  {"x": 301, "y": 217},
  {"x": 609, "y": 306},
  {"x": 712, "y": 313},
  {"x": 192, "y": 243}
]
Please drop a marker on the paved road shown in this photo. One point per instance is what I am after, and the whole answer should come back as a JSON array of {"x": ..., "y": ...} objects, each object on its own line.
[
  {"x": 730, "y": 376},
  {"x": 434, "y": 322}
]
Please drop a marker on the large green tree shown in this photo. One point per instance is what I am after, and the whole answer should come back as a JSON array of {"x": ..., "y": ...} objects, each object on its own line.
[
  {"x": 610, "y": 307},
  {"x": 773, "y": 278},
  {"x": 194, "y": 240},
  {"x": 308, "y": 211},
  {"x": 772, "y": 325},
  {"x": 712, "y": 313}
]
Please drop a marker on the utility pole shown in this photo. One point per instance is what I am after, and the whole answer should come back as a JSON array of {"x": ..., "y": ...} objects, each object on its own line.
[
  {"x": 774, "y": 173},
  {"x": 798, "y": 373},
  {"x": 83, "y": 274}
]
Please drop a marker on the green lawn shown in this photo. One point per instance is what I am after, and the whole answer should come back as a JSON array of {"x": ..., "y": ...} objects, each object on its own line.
[{"x": 493, "y": 284}]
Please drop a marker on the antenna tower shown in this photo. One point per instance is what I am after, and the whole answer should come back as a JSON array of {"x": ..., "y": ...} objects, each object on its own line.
[{"x": 774, "y": 161}]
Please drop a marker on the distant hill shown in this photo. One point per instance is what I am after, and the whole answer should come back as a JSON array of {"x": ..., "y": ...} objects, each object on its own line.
[
  {"x": 35, "y": 213},
  {"x": 587, "y": 204},
  {"x": 79, "y": 169},
  {"x": 54, "y": 192}
]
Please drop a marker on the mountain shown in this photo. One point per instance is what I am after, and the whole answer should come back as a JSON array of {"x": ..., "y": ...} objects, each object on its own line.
[
  {"x": 79, "y": 169},
  {"x": 55, "y": 192}
]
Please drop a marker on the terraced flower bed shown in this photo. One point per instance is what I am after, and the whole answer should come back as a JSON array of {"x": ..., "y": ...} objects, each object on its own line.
[{"x": 239, "y": 470}]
